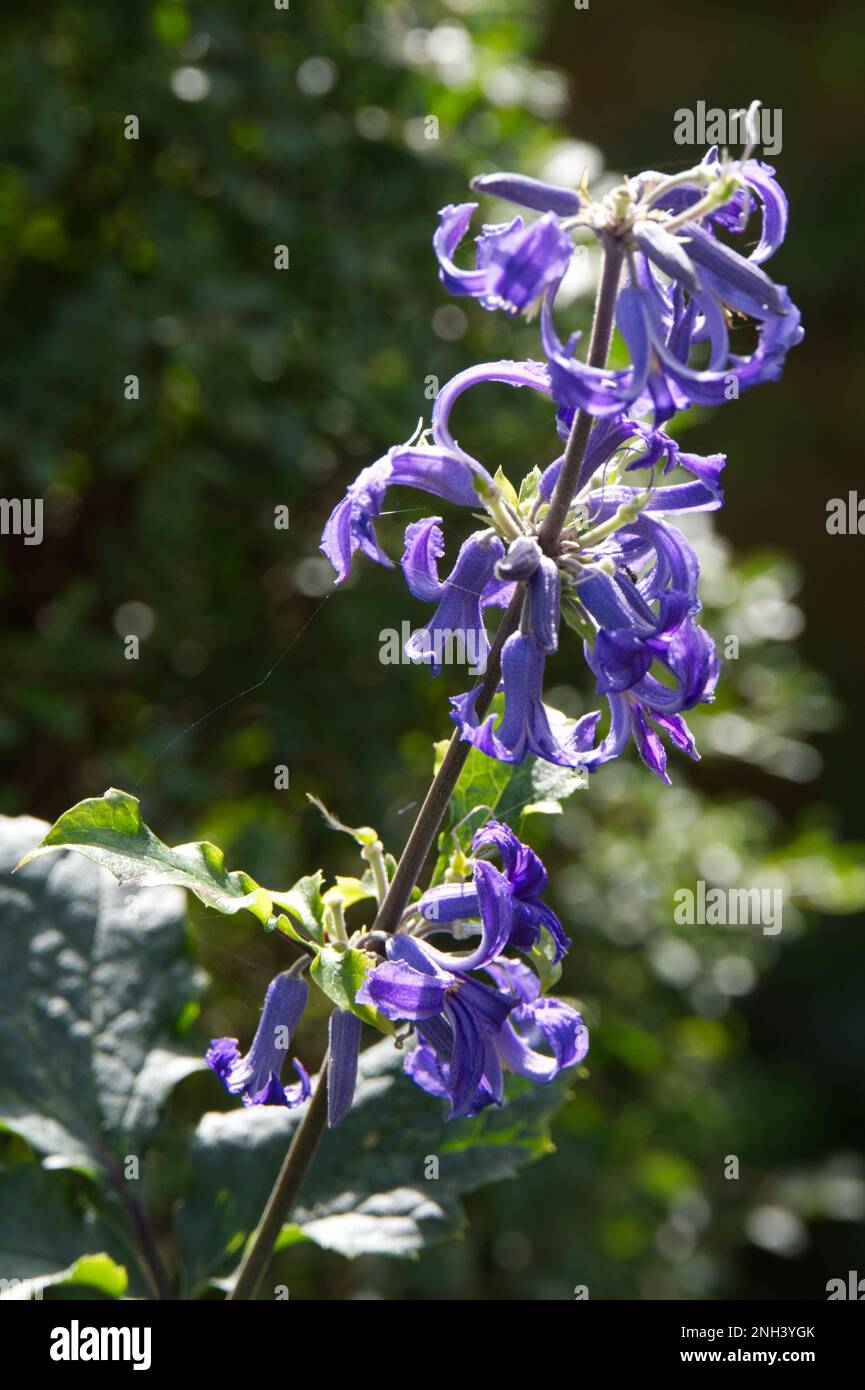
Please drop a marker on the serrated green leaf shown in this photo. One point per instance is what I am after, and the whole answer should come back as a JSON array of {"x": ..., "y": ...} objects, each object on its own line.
[
  {"x": 369, "y": 1190},
  {"x": 109, "y": 831},
  {"x": 339, "y": 974}
]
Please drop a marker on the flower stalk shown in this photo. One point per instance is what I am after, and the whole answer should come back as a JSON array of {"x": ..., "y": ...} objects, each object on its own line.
[{"x": 302, "y": 1149}]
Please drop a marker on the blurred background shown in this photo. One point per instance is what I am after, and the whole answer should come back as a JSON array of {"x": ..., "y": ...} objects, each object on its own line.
[{"x": 337, "y": 130}]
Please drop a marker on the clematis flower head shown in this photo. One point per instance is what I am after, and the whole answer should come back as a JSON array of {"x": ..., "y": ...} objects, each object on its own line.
[
  {"x": 256, "y": 1076},
  {"x": 526, "y": 880},
  {"x": 452, "y": 1012},
  {"x": 351, "y": 525},
  {"x": 460, "y": 598},
  {"x": 515, "y": 263},
  {"x": 470, "y": 1032},
  {"x": 524, "y": 726}
]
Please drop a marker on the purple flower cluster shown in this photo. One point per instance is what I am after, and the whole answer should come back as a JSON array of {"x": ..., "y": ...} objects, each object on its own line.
[
  {"x": 472, "y": 1030},
  {"x": 622, "y": 572}
]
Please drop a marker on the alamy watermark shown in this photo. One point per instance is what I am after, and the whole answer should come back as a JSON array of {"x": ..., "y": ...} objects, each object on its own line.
[
  {"x": 714, "y": 126},
  {"x": 77, "y": 1343},
  {"x": 443, "y": 647},
  {"x": 729, "y": 907},
  {"x": 22, "y": 516}
]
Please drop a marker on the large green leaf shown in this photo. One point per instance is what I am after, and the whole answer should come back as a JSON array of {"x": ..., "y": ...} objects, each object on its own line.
[
  {"x": 92, "y": 979},
  {"x": 109, "y": 830},
  {"x": 367, "y": 1192},
  {"x": 44, "y": 1227}
]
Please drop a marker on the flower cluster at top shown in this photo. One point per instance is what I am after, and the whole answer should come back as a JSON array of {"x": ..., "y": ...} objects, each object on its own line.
[
  {"x": 620, "y": 572},
  {"x": 476, "y": 1013}
]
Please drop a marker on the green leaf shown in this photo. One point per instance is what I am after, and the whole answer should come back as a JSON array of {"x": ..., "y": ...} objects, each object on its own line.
[
  {"x": 369, "y": 1190},
  {"x": 482, "y": 783},
  {"x": 97, "y": 1272},
  {"x": 44, "y": 1226},
  {"x": 351, "y": 890},
  {"x": 93, "y": 978},
  {"x": 538, "y": 787},
  {"x": 506, "y": 487},
  {"x": 543, "y": 955},
  {"x": 529, "y": 488},
  {"x": 304, "y": 903},
  {"x": 339, "y": 974},
  {"x": 109, "y": 830}
]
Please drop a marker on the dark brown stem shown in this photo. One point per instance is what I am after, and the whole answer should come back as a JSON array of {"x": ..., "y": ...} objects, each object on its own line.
[
  {"x": 143, "y": 1230},
  {"x": 284, "y": 1193}
]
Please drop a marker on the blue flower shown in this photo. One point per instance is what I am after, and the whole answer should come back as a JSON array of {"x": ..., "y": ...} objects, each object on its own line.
[
  {"x": 436, "y": 470},
  {"x": 524, "y": 726},
  {"x": 343, "y": 1039},
  {"x": 527, "y": 880},
  {"x": 663, "y": 324},
  {"x": 470, "y": 1031},
  {"x": 536, "y": 1020},
  {"x": 461, "y": 597},
  {"x": 683, "y": 286},
  {"x": 515, "y": 263},
  {"x": 256, "y": 1077},
  {"x": 630, "y": 718},
  {"x": 453, "y": 1013},
  {"x": 480, "y": 1032}
]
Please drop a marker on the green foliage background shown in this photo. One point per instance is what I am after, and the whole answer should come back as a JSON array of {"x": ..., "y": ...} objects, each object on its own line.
[{"x": 262, "y": 389}]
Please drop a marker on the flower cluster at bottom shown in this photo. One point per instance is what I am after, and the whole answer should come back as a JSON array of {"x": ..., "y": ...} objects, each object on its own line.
[
  {"x": 470, "y": 1030},
  {"x": 476, "y": 1014}
]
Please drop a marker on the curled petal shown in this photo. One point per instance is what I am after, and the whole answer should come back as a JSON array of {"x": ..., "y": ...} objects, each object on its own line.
[
  {"x": 424, "y": 547},
  {"x": 548, "y": 1021},
  {"x": 528, "y": 373},
  {"x": 495, "y": 905},
  {"x": 431, "y": 468},
  {"x": 458, "y": 617},
  {"x": 523, "y": 867}
]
